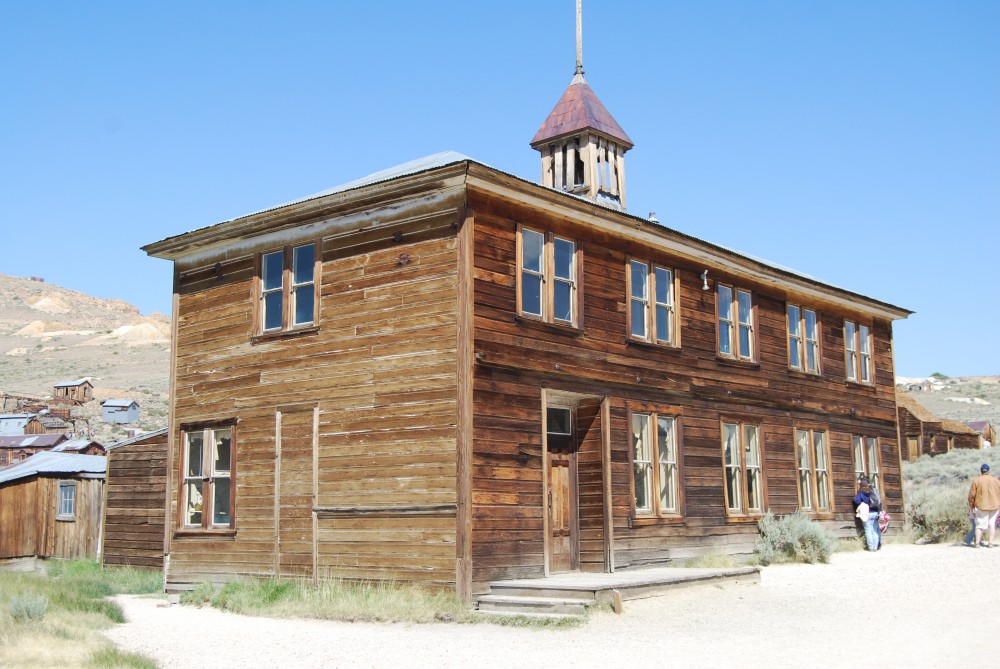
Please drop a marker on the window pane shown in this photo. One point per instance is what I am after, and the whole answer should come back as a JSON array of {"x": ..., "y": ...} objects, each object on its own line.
[
  {"x": 67, "y": 499},
  {"x": 531, "y": 294},
  {"x": 221, "y": 493},
  {"x": 532, "y": 245},
  {"x": 222, "y": 455},
  {"x": 731, "y": 457},
  {"x": 272, "y": 311},
  {"x": 562, "y": 307},
  {"x": 664, "y": 286},
  {"x": 859, "y": 457},
  {"x": 638, "y": 317},
  {"x": 272, "y": 267},
  {"x": 873, "y": 469},
  {"x": 639, "y": 279},
  {"x": 811, "y": 357},
  {"x": 195, "y": 454},
  {"x": 822, "y": 490},
  {"x": 664, "y": 304},
  {"x": 866, "y": 355},
  {"x": 810, "y": 324},
  {"x": 304, "y": 297},
  {"x": 794, "y": 338},
  {"x": 667, "y": 452},
  {"x": 805, "y": 469},
  {"x": 725, "y": 299},
  {"x": 193, "y": 497},
  {"x": 745, "y": 314},
  {"x": 663, "y": 332},
  {"x": 725, "y": 338},
  {"x": 558, "y": 420},
  {"x": 303, "y": 264},
  {"x": 563, "y": 259},
  {"x": 641, "y": 456}
]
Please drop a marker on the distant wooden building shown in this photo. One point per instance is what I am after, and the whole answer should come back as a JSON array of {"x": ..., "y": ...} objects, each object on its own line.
[
  {"x": 134, "y": 512},
  {"x": 923, "y": 432},
  {"x": 119, "y": 411},
  {"x": 75, "y": 393},
  {"x": 986, "y": 432},
  {"x": 44, "y": 424},
  {"x": 82, "y": 446},
  {"x": 50, "y": 507},
  {"x": 16, "y": 448},
  {"x": 444, "y": 374},
  {"x": 13, "y": 424}
]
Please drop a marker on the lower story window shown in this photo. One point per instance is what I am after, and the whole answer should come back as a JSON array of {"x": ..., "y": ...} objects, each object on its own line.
[
  {"x": 744, "y": 471},
  {"x": 813, "y": 458},
  {"x": 654, "y": 457},
  {"x": 66, "y": 509},
  {"x": 206, "y": 496},
  {"x": 866, "y": 462}
]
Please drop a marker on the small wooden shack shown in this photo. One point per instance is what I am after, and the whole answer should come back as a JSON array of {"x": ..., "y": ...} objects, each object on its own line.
[
  {"x": 50, "y": 507},
  {"x": 45, "y": 424},
  {"x": 134, "y": 498},
  {"x": 920, "y": 431},
  {"x": 75, "y": 393},
  {"x": 119, "y": 411}
]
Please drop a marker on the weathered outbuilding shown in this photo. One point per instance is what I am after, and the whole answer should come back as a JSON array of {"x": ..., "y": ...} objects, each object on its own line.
[
  {"x": 135, "y": 494},
  {"x": 50, "y": 507},
  {"x": 75, "y": 393},
  {"x": 923, "y": 432},
  {"x": 119, "y": 411}
]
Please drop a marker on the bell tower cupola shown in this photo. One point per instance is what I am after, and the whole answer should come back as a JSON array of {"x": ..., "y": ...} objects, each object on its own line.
[{"x": 581, "y": 145}]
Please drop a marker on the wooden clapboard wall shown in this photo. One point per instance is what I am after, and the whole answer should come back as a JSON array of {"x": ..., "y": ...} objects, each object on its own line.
[
  {"x": 28, "y": 525},
  {"x": 135, "y": 490},
  {"x": 516, "y": 359}
]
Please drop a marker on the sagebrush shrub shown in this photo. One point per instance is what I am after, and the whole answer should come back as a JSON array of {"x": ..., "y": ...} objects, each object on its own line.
[
  {"x": 28, "y": 607},
  {"x": 937, "y": 490},
  {"x": 793, "y": 538}
]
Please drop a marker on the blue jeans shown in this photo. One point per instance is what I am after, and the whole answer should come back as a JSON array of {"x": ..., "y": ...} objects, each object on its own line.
[
  {"x": 970, "y": 538},
  {"x": 873, "y": 536}
]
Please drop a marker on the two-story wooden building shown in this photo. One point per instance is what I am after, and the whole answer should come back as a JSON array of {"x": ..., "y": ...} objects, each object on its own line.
[{"x": 446, "y": 374}]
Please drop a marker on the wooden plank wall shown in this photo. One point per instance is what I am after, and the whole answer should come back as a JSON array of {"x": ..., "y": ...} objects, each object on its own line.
[
  {"x": 28, "y": 525},
  {"x": 380, "y": 370},
  {"x": 133, "y": 518},
  {"x": 517, "y": 358}
]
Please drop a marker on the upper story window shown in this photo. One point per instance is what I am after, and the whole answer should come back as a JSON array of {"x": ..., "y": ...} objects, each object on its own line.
[
  {"x": 858, "y": 352},
  {"x": 744, "y": 469},
  {"x": 66, "y": 503},
  {"x": 803, "y": 340},
  {"x": 866, "y": 460},
  {"x": 735, "y": 309},
  {"x": 288, "y": 295},
  {"x": 813, "y": 460},
  {"x": 655, "y": 462},
  {"x": 206, "y": 495},
  {"x": 652, "y": 315},
  {"x": 547, "y": 278}
]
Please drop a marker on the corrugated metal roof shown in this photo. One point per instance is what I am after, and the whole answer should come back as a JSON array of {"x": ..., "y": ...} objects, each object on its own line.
[
  {"x": 119, "y": 403},
  {"x": 139, "y": 437},
  {"x": 78, "y": 382},
  {"x": 54, "y": 463},
  {"x": 32, "y": 440},
  {"x": 76, "y": 445}
]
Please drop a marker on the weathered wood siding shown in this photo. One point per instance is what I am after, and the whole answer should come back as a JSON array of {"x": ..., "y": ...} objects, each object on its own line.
[
  {"x": 346, "y": 434},
  {"x": 134, "y": 514},
  {"x": 517, "y": 358},
  {"x": 28, "y": 525}
]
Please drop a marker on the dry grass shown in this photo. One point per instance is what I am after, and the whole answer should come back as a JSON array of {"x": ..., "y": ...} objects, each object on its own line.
[{"x": 55, "y": 620}]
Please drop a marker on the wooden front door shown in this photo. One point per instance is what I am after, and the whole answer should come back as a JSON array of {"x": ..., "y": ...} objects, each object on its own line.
[{"x": 563, "y": 508}]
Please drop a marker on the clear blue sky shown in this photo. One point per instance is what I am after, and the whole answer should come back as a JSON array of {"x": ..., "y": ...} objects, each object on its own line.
[{"x": 855, "y": 141}]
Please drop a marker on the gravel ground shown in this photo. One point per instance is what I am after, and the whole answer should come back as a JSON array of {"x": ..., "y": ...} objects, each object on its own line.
[{"x": 905, "y": 606}]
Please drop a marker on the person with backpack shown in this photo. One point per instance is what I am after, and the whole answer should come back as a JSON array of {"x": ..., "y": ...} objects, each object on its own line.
[{"x": 867, "y": 506}]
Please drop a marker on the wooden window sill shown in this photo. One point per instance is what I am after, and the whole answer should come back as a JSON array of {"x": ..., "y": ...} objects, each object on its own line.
[
  {"x": 652, "y": 521},
  {"x": 799, "y": 374},
  {"x": 735, "y": 362},
  {"x": 749, "y": 518},
  {"x": 192, "y": 533},
  {"x": 266, "y": 337},
  {"x": 560, "y": 328},
  {"x": 652, "y": 346}
]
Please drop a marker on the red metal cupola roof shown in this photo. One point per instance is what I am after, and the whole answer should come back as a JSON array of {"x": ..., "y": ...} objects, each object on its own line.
[{"x": 579, "y": 109}]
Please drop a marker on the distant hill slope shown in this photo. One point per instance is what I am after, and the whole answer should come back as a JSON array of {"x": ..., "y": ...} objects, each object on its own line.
[
  {"x": 952, "y": 400},
  {"x": 50, "y": 334}
]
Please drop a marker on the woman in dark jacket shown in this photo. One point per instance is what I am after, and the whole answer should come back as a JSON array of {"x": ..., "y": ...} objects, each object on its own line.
[{"x": 873, "y": 536}]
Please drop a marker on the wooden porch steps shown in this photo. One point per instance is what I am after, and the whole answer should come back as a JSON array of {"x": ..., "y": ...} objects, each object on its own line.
[{"x": 570, "y": 594}]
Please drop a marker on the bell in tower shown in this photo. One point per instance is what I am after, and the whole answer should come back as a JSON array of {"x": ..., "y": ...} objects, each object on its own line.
[{"x": 582, "y": 146}]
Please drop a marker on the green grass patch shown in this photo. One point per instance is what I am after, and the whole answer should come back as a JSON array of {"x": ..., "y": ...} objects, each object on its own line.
[
  {"x": 54, "y": 618},
  {"x": 112, "y": 658}
]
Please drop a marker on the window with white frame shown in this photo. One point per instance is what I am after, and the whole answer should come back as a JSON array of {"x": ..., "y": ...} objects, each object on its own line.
[
  {"x": 655, "y": 461},
  {"x": 858, "y": 352},
  {"x": 206, "y": 497},
  {"x": 66, "y": 501},
  {"x": 288, "y": 297},
  {"x": 743, "y": 468},
  {"x": 735, "y": 324},
  {"x": 652, "y": 315},
  {"x": 866, "y": 459},
  {"x": 547, "y": 277},
  {"x": 803, "y": 340},
  {"x": 813, "y": 460}
]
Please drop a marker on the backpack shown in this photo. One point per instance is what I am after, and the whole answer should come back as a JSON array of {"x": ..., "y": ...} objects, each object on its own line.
[{"x": 876, "y": 500}]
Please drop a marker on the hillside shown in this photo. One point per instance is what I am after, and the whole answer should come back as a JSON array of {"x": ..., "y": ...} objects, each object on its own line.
[
  {"x": 964, "y": 399},
  {"x": 50, "y": 334}
]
